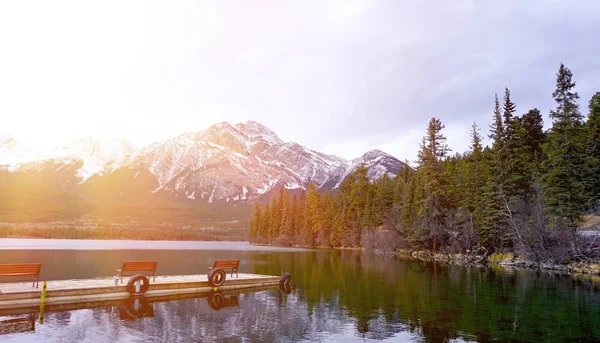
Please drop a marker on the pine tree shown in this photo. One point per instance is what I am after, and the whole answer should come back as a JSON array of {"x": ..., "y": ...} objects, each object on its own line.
[
  {"x": 384, "y": 199},
  {"x": 535, "y": 137},
  {"x": 255, "y": 231},
  {"x": 313, "y": 215},
  {"x": 327, "y": 219},
  {"x": 494, "y": 225},
  {"x": 515, "y": 182},
  {"x": 593, "y": 152},
  {"x": 265, "y": 222},
  {"x": 291, "y": 228},
  {"x": 474, "y": 172},
  {"x": 284, "y": 205},
  {"x": 434, "y": 206},
  {"x": 275, "y": 221},
  {"x": 563, "y": 178},
  {"x": 301, "y": 217}
]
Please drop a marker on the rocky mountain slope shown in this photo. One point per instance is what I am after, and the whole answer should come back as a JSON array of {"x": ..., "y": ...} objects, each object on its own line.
[{"x": 223, "y": 163}]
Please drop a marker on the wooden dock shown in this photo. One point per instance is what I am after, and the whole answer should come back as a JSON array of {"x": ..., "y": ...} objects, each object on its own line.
[{"x": 64, "y": 292}]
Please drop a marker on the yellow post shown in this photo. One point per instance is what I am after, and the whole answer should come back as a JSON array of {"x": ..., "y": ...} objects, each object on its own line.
[{"x": 42, "y": 302}]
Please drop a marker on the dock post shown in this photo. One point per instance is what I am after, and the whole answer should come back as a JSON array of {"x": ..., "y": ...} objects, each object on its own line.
[{"x": 42, "y": 302}]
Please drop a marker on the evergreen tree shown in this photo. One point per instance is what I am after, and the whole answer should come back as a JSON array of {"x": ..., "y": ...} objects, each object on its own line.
[
  {"x": 313, "y": 215},
  {"x": 494, "y": 224},
  {"x": 301, "y": 217},
  {"x": 284, "y": 205},
  {"x": 255, "y": 231},
  {"x": 434, "y": 207},
  {"x": 384, "y": 199},
  {"x": 515, "y": 181},
  {"x": 474, "y": 171},
  {"x": 265, "y": 222},
  {"x": 327, "y": 219},
  {"x": 563, "y": 178},
  {"x": 535, "y": 137},
  {"x": 275, "y": 222},
  {"x": 593, "y": 152},
  {"x": 292, "y": 229}
]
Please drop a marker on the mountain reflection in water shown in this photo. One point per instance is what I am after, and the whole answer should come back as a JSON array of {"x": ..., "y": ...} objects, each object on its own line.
[{"x": 336, "y": 296}]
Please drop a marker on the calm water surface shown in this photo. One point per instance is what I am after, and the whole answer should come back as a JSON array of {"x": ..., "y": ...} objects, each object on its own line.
[{"x": 337, "y": 296}]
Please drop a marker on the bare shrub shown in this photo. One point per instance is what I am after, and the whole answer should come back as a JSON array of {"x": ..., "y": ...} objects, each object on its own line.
[
  {"x": 283, "y": 241},
  {"x": 322, "y": 240},
  {"x": 380, "y": 240}
]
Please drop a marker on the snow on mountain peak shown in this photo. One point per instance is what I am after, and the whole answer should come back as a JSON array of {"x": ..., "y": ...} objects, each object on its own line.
[
  {"x": 98, "y": 156},
  {"x": 12, "y": 152},
  {"x": 220, "y": 163},
  {"x": 373, "y": 154}
]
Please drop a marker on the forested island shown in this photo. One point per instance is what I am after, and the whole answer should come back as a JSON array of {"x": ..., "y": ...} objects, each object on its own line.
[{"x": 525, "y": 194}]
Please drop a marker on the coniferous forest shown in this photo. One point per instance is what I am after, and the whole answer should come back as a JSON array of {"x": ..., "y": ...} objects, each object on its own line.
[{"x": 526, "y": 192}]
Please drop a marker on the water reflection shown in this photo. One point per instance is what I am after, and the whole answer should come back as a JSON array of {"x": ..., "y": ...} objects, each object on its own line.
[
  {"x": 339, "y": 295},
  {"x": 17, "y": 324},
  {"x": 136, "y": 308}
]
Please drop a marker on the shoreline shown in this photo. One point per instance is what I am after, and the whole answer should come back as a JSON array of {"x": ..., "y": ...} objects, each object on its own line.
[{"x": 508, "y": 260}]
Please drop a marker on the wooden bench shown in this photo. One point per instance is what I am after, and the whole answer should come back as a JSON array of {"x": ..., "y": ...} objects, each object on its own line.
[
  {"x": 149, "y": 267},
  {"x": 22, "y": 269},
  {"x": 227, "y": 264}
]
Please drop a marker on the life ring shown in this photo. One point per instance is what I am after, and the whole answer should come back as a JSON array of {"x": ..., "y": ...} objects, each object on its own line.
[
  {"x": 216, "y": 277},
  {"x": 216, "y": 300},
  {"x": 145, "y": 284},
  {"x": 284, "y": 283},
  {"x": 142, "y": 307}
]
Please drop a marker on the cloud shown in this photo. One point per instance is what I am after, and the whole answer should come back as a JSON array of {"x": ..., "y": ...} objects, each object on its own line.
[{"x": 338, "y": 76}]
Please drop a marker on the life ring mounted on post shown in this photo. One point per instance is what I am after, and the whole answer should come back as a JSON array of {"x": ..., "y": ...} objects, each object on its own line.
[{"x": 144, "y": 284}]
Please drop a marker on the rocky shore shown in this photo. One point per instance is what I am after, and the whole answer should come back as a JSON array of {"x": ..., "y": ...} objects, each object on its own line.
[{"x": 506, "y": 260}]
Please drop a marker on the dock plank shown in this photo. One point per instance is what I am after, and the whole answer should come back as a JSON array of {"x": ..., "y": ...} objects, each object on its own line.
[{"x": 65, "y": 285}]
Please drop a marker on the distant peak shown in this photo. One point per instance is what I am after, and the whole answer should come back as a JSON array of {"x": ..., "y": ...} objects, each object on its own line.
[
  {"x": 222, "y": 125},
  {"x": 372, "y": 154},
  {"x": 254, "y": 128}
]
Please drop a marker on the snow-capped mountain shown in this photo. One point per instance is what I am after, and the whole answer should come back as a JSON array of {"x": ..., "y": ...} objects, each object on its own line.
[
  {"x": 13, "y": 153},
  {"x": 223, "y": 163},
  {"x": 97, "y": 156}
]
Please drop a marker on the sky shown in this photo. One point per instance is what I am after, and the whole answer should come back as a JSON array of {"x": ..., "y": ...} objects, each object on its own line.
[{"x": 341, "y": 77}]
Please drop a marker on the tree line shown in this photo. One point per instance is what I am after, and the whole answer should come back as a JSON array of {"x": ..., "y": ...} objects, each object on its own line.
[{"x": 525, "y": 192}]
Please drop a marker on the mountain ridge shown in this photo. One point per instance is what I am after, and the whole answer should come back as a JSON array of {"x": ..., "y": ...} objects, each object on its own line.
[{"x": 222, "y": 163}]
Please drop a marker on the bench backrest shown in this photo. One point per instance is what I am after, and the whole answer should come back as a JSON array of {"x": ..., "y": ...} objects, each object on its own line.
[
  {"x": 147, "y": 266},
  {"x": 227, "y": 264},
  {"x": 22, "y": 268}
]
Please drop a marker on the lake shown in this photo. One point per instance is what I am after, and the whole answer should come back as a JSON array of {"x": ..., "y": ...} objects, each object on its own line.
[{"x": 336, "y": 296}]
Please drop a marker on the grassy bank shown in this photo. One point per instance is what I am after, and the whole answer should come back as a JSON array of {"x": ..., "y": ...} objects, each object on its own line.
[{"x": 171, "y": 234}]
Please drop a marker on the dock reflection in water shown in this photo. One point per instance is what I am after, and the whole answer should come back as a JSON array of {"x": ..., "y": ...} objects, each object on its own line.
[
  {"x": 336, "y": 296},
  {"x": 170, "y": 318}
]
